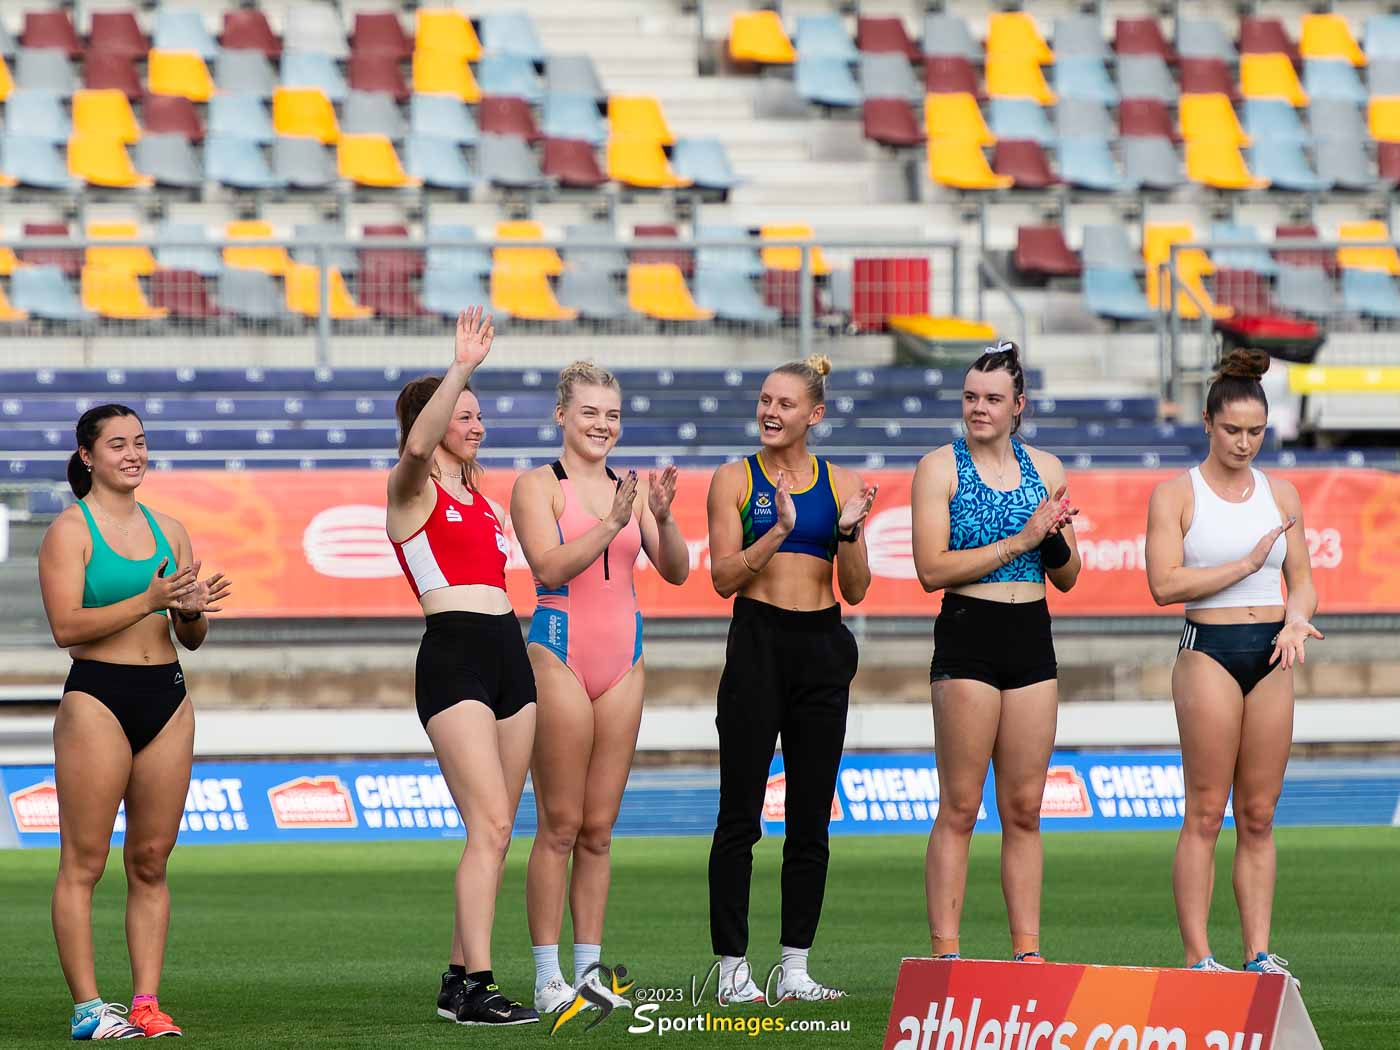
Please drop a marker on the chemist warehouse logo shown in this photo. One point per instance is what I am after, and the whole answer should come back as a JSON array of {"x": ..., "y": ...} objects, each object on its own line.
[
  {"x": 36, "y": 809},
  {"x": 312, "y": 802},
  {"x": 1066, "y": 794}
]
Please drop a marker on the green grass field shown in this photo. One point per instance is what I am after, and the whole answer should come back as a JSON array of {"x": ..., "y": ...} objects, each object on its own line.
[{"x": 341, "y": 945}]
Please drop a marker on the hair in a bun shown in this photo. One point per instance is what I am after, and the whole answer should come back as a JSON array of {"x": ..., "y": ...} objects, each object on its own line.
[
  {"x": 1237, "y": 378},
  {"x": 583, "y": 373},
  {"x": 812, "y": 371}
]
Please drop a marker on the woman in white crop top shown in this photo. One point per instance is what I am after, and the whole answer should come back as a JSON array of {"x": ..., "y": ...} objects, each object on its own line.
[{"x": 1222, "y": 538}]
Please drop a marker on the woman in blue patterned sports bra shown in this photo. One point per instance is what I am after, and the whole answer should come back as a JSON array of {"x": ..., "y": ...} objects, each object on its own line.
[{"x": 988, "y": 531}]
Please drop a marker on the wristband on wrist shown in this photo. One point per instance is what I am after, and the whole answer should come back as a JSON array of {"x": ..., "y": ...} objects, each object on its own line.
[
  {"x": 184, "y": 618},
  {"x": 848, "y": 537},
  {"x": 1054, "y": 550}
]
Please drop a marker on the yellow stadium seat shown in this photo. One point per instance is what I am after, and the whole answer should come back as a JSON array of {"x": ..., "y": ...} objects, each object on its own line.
[
  {"x": 7, "y": 311},
  {"x": 638, "y": 117},
  {"x": 1015, "y": 33},
  {"x": 7, "y": 82},
  {"x": 115, "y": 293},
  {"x": 1329, "y": 36},
  {"x": 304, "y": 113},
  {"x": 1271, "y": 76},
  {"x": 106, "y": 113},
  {"x": 1220, "y": 165},
  {"x": 8, "y": 262},
  {"x": 1017, "y": 76},
  {"x": 961, "y": 164},
  {"x": 268, "y": 258},
  {"x": 943, "y": 329},
  {"x": 1383, "y": 117},
  {"x": 125, "y": 259},
  {"x": 181, "y": 73},
  {"x": 658, "y": 290},
  {"x": 100, "y": 160},
  {"x": 1343, "y": 379},
  {"x": 790, "y": 258},
  {"x": 7, "y": 181},
  {"x": 958, "y": 117},
  {"x": 537, "y": 260},
  {"x": 441, "y": 73},
  {"x": 1191, "y": 265},
  {"x": 641, "y": 162},
  {"x": 758, "y": 36},
  {"x": 304, "y": 294},
  {"x": 1379, "y": 258},
  {"x": 448, "y": 31},
  {"x": 526, "y": 294},
  {"x": 370, "y": 160},
  {"x": 1211, "y": 118}
]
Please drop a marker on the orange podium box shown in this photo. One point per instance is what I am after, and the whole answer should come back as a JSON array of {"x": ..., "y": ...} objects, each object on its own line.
[{"x": 970, "y": 1005}]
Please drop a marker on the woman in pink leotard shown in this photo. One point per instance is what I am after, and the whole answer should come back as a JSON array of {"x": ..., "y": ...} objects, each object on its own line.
[{"x": 581, "y": 528}]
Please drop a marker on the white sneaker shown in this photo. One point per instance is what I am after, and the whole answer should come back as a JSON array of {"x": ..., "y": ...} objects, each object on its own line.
[
  {"x": 739, "y": 988},
  {"x": 1265, "y": 963},
  {"x": 109, "y": 1022},
  {"x": 597, "y": 987},
  {"x": 799, "y": 985},
  {"x": 1209, "y": 965},
  {"x": 555, "y": 995}
]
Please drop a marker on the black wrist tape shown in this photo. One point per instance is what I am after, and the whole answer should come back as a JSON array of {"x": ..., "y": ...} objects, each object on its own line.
[{"x": 1054, "y": 550}]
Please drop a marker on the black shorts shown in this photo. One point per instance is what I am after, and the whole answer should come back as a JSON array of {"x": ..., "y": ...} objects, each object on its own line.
[
  {"x": 473, "y": 656},
  {"x": 143, "y": 697},
  {"x": 1005, "y": 644},
  {"x": 1243, "y": 649}
]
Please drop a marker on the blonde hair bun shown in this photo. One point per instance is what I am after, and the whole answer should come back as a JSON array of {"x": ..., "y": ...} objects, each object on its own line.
[{"x": 819, "y": 363}]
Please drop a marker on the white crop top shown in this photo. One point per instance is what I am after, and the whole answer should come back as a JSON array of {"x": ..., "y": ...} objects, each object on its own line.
[{"x": 1223, "y": 532}]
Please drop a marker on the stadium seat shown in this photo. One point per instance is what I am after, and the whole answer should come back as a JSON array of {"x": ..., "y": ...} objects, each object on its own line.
[
  {"x": 1241, "y": 249},
  {"x": 956, "y": 117},
  {"x": 246, "y": 29},
  {"x": 638, "y": 116},
  {"x": 181, "y": 73},
  {"x": 823, "y": 36},
  {"x": 1333, "y": 79},
  {"x": 641, "y": 163},
  {"x": 573, "y": 117},
  {"x": 303, "y": 163},
  {"x": 1283, "y": 164},
  {"x": 100, "y": 160},
  {"x": 268, "y": 258},
  {"x": 8, "y": 260},
  {"x": 1107, "y": 248},
  {"x": 758, "y": 36},
  {"x": 1246, "y": 292},
  {"x": 705, "y": 163},
  {"x": 1141, "y": 36},
  {"x": 442, "y": 73},
  {"x": 1089, "y": 164},
  {"x": 877, "y": 33},
  {"x": 7, "y": 42},
  {"x": 505, "y": 115},
  {"x": 1271, "y": 76},
  {"x": 1084, "y": 77},
  {"x": 448, "y": 292},
  {"x": 1145, "y": 118},
  {"x": 116, "y": 294},
  {"x": 316, "y": 234},
  {"x": 379, "y": 33},
  {"x": 508, "y": 160},
  {"x": 1383, "y": 78},
  {"x": 884, "y": 75},
  {"x": 37, "y": 114},
  {"x": 511, "y": 33},
  {"x": 1383, "y": 118},
  {"x": 42, "y": 291},
  {"x": 250, "y": 294},
  {"x": 573, "y": 75},
  {"x": 1382, "y": 37},
  {"x": 509, "y": 75},
  {"x": 116, "y": 33},
  {"x": 1304, "y": 257},
  {"x": 1150, "y": 163},
  {"x": 1274, "y": 119},
  {"x": 591, "y": 294},
  {"x": 311, "y": 69},
  {"x": 44, "y": 71},
  {"x": 1265, "y": 36},
  {"x": 1192, "y": 265},
  {"x": 1041, "y": 250},
  {"x": 526, "y": 294},
  {"x": 51, "y": 31},
  {"x": 389, "y": 292},
  {"x": 446, "y": 31},
  {"x": 610, "y": 259},
  {"x": 573, "y": 162},
  {"x": 170, "y": 115},
  {"x": 1211, "y": 118},
  {"x": 184, "y": 246},
  {"x": 303, "y": 284},
  {"x": 950, "y": 75},
  {"x": 731, "y": 296},
  {"x": 1220, "y": 165},
  {"x": 1015, "y": 34},
  {"x": 545, "y": 260},
  {"x": 8, "y": 312},
  {"x": 370, "y": 160},
  {"x": 1203, "y": 38},
  {"x": 891, "y": 122},
  {"x": 711, "y": 256},
  {"x": 1020, "y": 118},
  {"x": 1146, "y": 77},
  {"x": 442, "y": 116},
  {"x": 135, "y": 259},
  {"x": 182, "y": 293},
  {"x": 680, "y": 257},
  {"x": 304, "y": 113},
  {"x": 1079, "y": 36},
  {"x": 179, "y": 29},
  {"x": 68, "y": 260},
  {"x": 1378, "y": 258},
  {"x": 314, "y": 27},
  {"x": 1025, "y": 163},
  {"x": 1370, "y": 293},
  {"x": 1344, "y": 164},
  {"x": 407, "y": 261},
  {"x": 1115, "y": 294},
  {"x": 244, "y": 73},
  {"x": 368, "y": 113},
  {"x": 826, "y": 81},
  {"x": 1388, "y": 160},
  {"x": 103, "y": 71},
  {"x": 1328, "y": 36},
  {"x": 961, "y": 164},
  {"x": 464, "y": 254},
  {"x": 790, "y": 258},
  {"x": 437, "y": 162},
  {"x": 32, "y": 161},
  {"x": 104, "y": 114},
  {"x": 1338, "y": 120},
  {"x": 946, "y": 35},
  {"x": 658, "y": 290}
]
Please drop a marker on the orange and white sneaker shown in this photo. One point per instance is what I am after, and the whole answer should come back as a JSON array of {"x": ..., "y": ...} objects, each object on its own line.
[{"x": 153, "y": 1021}]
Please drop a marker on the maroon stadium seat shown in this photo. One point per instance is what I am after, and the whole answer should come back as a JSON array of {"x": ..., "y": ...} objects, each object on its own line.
[
  {"x": 1265, "y": 36},
  {"x": 507, "y": 115},
  {"x": 171, "y": 114},
  {"x": 107, "y": 70},
  {"x": 950, "y": 75},
  {"x": 52, "y": 30},
  {"x": 246, "y": 29},
  {"x": 1208, "y": 76},
  {"x": 675, "y": 256},
  {"x": 183, "y": 293},
  {"x": 1146, "y": 118},
  {"x": 877, "y": 35},
  {"x": 1304, "y": 257},
  {"x": 783, "y": 289},
  {"x": 1025, "y": 161},
  {"x": 1388, "y": 161},
  {"x": 1246, "y": 291},
  {"x": 571, "y": 161},
  {"x": 69, "y": 260},
  {"x": 388, "y": 289},
  {"x": 378, "y": 72},
  {"x": 1042, "y": 250},
  {"x": 407, "y": 261},
  {"x": 891, "y": 122},
  {"x": 379, "y": 33},
  {"x": 116, "y": 33},
  {"x": 1141, "y": 36}
]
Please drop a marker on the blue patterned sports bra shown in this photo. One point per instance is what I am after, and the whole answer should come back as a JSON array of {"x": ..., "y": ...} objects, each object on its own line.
[{"x": 979, "y": 515}]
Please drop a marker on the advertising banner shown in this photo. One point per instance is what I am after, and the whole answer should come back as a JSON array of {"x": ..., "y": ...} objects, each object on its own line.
[{"x": 312, "y": 543}]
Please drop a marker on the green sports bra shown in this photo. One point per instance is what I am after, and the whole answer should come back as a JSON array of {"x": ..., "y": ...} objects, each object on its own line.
[{"x": 110, "y": 578}]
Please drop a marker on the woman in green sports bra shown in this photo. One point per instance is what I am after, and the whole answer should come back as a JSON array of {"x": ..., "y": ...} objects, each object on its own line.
[{"x": 116, "y": 578}]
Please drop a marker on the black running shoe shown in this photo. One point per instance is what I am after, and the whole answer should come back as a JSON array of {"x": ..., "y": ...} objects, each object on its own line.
[
  {"x": 485, "y": 1004},
  {"x": 451, "y": 995}
]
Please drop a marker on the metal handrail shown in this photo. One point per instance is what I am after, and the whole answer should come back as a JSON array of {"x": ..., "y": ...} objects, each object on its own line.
[{"x": 987, "y": 270}]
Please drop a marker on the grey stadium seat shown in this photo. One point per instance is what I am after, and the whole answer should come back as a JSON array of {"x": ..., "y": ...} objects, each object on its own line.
[
  {"x": 1108, "y": 248},
  {"x": 45, "y": 70},
  {"x": 202, "y": 259},
  {"x": 170, "y": 159},
  {"x": 315, "y": 27},
  {"x": 467, "y": 256},
  {"x": 1203, "y": 38},
  {"x": 732, "y": 297},
  {"x": 1146, "y": 76},
  {"x": 573, "y": 75},
  {"x": 346, "y": 260},
  {"x": 372, "y": 113},
  {"x": 592, "y": 293},
  {"x": 244, "y": 73},
  {"x": 1080, "y": 118},
  {"x": 715, "y": 257},
  {"x": 1345, "y": 163},
  {"x": 1305, "y": 290},
  {"x": 183, "y": 30},
  {"x": 611, "y": 260},
  {"x": 888, "y": 76},
  {"x": 44, "y": 292},
  {"x": 39, "y": 114},
  {"x": 506, "y": 160},
  {"x": 238, "y": 163},
  {"x": 1151, "y": 162},
  {"x": 240, "y": 117},
  {"x": 438, "y": 162},
  {"x": 303, "y": 163},
  {"x": 1079, "y": 36},
  {"x": 1337, "y": 119},
  {"x": 442, "y": 117},
  {"x": 35, "y": 162},
  {"x": 948, "y": 35},
  {"x": 448, "y": 292},
  {"x": 251, "y": 294}
]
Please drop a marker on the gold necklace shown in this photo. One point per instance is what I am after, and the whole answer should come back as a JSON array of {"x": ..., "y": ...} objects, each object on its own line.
[
  {"x": 1001, "y": 474},
  {"x": 125, "y": 530}
]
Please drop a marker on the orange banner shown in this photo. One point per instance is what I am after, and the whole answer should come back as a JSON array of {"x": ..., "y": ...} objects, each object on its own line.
[{"x": 312, "y": 543}]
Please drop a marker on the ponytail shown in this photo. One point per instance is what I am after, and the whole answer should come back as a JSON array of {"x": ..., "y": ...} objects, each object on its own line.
[
  {"x": 88, "y": 430},
  {"x": 79, "y": 476}
]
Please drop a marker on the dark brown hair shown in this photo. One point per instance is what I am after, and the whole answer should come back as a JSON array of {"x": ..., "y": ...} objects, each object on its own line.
[
  {"x": 88, "y": 430},
  {"x": 1237, "y": 379},
  {"x": 1005, "y": 356},
  {"x": 413, "y": 398}
]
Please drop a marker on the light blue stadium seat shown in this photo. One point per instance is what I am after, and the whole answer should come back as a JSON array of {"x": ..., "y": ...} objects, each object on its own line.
[
  {"x": 1084, "y": 77},
  {"x": 744, "y": 261},
  {"x": 1245, "y": 250},
  {"x": 884, "y": 75},
  {"x": 593, "y": 294},
  {"x": 511, "y": 33},
  {"x": 1382, "y": 37},
  {"x": 448, "y": 292},
  {"x": 1371, "y": 293},
  {"x": 1331, "y": 78},
  {"x": 1285, "y": 166},
  {"x": 1150, "y": 162},
  {"x": 443, "y": 117},
  {"x": 823, "y": 36},
  {"x": 240, "y": 117},
  {"x": 304, "y": 164},
  {"x": 573, "y": 117},
  {"x": 574, "y": 75},
  {"x": 250, "y": 294},
  {"x": 1305, "y": 290},
  {"x": 238, "y": 163},
  {"x": 732, "y": 297},
  {"x": 44, "y": 292},
  {"x": 169, "y": 158},
  {"x": 705, "y": 163},
  {"x": 1087, "y": 163},
  {"x": 1020, "y": 118},
  {"x": 509, "y": 75},
  {"x": 468, "y": 256},
  {"x": 826, "y": 81},
  {"x": 1115, "y": 294},
  {"x": 1106, "y": 247},
  {"x": 37, "y": 114},
  {"x": 508, "y": 160},
  {"x": 183, "y": 30},
  {"x": 35, "y": 162},
  {"x": 438, "y": 162},
  {"x": 312, "y": 69},
  {"x": 1345, "y": 164},
  {"x": 202, "y": 259},
  {"x": 1079, "y": 36},
  {"x": 1273, "y": 119}
]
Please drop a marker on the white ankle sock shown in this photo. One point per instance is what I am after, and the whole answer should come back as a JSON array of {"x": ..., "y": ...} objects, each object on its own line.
[
  {"x": 585, "y": 955},
  {"x": 794, "y": 960},
  {"x": 546, "y": 963},
  {"x": 728, "y": 966}
]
